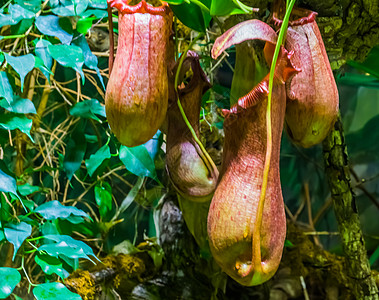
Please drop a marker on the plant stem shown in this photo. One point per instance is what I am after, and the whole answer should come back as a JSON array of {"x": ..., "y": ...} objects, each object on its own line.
[
  {"x": 258, "y": 222},
  {"x": 194, "y": 135}
]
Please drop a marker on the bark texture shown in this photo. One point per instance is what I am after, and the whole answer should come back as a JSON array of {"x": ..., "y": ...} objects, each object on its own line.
[
  {"x": 337, "y": 171},
  {"x": 350, "y": 28}
]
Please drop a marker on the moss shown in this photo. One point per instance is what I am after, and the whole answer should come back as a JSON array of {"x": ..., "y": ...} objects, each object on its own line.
[
  {"x": 312, "y": 262},
  {"x": 131, "y": 266},
  {"x": 82, "y": 283}
]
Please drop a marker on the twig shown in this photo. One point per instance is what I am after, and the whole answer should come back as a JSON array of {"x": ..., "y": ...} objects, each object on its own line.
[
  {"x": 309, "y": 210},
  {"x": 111, "y": 39}
]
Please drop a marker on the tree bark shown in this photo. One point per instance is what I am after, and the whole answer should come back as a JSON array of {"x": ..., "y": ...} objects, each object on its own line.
[
  {"x": 350, "y": 28},
  {"x": 337, "y": 172}
]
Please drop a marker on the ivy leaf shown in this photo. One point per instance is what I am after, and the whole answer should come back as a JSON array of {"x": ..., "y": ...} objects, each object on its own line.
[
  {"x": 21, "y": 64},
  {"x": 27, "y": 189},
  {"x": 88, "y": 109},
  {"x": 41, "y": 66},
  {"x": 11, "y": 121},
  {"x": 90, "y": 60},
  {"x": 96, "y": 159},
  {"x": 52, "y": 291},
  {"x": 98, "y": 13},
  {"x": 16, "y": 234},
  {"x": 51, "y": 265},
  {"x": 16, "y": 13},
  {"x": 10, "y": 277},
  {"x": 69, "y": 7},
  {"x": 54, "y": 209},
  {"x": 32, "y": 5},
  {"x": 19, "y": 105},
  {"x": 7, "y": 183},
  {"x": 64, "y": 245},
  {"x": 42, "y": 53},
  {"x": 138, "y": 161},
  {"x": 5, "y": 87},
  {"x": 49, "y": 25},
  {"x": 68, "y": 56},
  {"x": 75, "y": 150},
  {"x": 102, "y": 4},
  {"x": 103, "y": 196}
]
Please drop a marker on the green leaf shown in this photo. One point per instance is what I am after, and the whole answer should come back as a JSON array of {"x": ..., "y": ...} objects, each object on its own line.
[
  {"x": 16, "y": 234},
  {"x": 49, "y": 25},
  {"x": 358, "y": 80},
  {"x": 42, "y": 53},
  {"x": 128, "y": 200},
  {"x": 68, "y": 56},
  {"x": 45, "y": 70},
  {"x": 96, "y": 159},
  {"x": 98, "y": 13},
  {"x": 90, "y": 60},
  {"x": 54, "y": 209},
  {"x": 228, "y": 7},
  {"x": 88, "y": 109},
  {"x": 10, "y": 277},
  {"x": 2, "y": 235},
  {"x": 175, "y": 2},
  {"x": 103, "y": 196},
  {"x": 363, "y": 144},
  {"x": 18, "y": 105},
  {"x": 11, "y": 121},
  {"x": 54, "y": 290},
  {"x": 7, "y": 183},
  {"x": 125, "y": 247},
  {"x": 192, "y": 15},
  {"x": 371, "y": 63},
  {"x": 51, "y": 265},
  {"x": 16, "y": 13},
  {"x": 84, "y": 24},
  {"x": 5, "y": 87},
  {"x": 102, "y": 4},
  {"x": 138, "y": 161},
  {"x": 69, "y": 7},
  {"x": 75, "y": 150},
  {"x": 21, "y": 64},
  {"x": 32, "y": 5},
  {"x": 65, "y": 245}
]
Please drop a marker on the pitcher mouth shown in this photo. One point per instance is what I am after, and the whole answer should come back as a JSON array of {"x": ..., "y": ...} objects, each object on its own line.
[{"x": 141, "y": 8}]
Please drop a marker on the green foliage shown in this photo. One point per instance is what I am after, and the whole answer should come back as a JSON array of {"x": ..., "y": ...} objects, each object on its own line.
[
  {"x": 138, "y": 161},
  {"x": 54, "y": 290},
  {"x": 52, "y": 26},
  {"x": 88, "y": 109},
  {"x": 68, "y": 56},
  {"x": 63, "y": 175},
  {"x": 21, "y": 64},
  {"x": 16, "y": 234},
  {"x": 9, "y": 279}
]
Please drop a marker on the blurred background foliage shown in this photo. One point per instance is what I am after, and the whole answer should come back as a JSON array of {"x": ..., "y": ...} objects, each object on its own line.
[{"x": 69, "y": 191}]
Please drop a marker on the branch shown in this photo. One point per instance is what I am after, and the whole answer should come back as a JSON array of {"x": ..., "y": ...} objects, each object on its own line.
[{"x": 337, "y": 172}]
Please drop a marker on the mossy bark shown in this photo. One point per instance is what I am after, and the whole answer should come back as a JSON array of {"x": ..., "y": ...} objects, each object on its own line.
[
  {"x": 350, "y": 28},
  {"x": 337, "y": 172}
]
